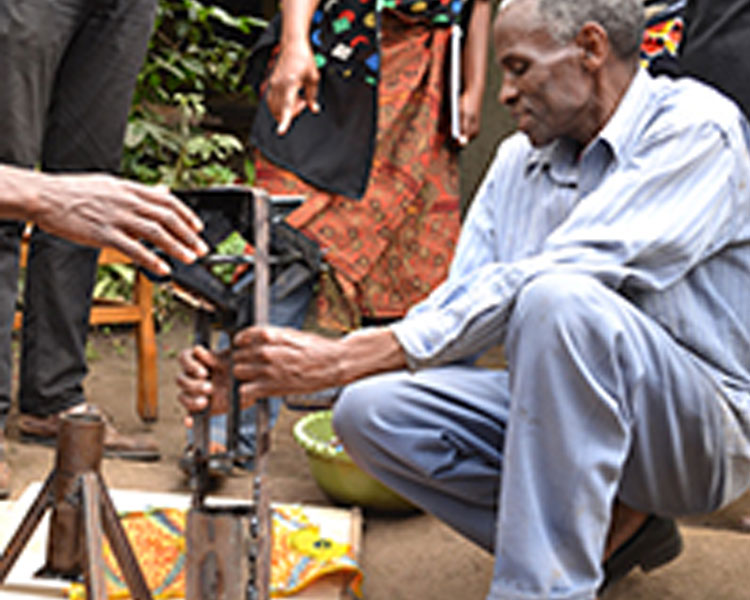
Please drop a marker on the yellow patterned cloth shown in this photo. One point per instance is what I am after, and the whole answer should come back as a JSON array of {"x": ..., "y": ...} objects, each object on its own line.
[
  {"x": 299, "y": 557},
  {"x": 157, "y": 537}
]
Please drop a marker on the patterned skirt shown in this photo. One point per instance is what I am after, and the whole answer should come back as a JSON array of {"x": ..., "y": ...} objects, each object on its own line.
[{"x": 388, "y": 249}]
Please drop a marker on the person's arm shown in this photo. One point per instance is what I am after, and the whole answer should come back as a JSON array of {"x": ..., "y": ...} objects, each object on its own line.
[
  {"x": 681, "y": 196},
  {"x": 474, "y": 61},
  {"x": 274, "y": 361},
  {"x": 295, "y": 70},
  {"x": 102, "y": 210}
]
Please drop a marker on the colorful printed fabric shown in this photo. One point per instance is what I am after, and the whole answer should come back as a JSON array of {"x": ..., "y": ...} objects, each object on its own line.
[
  {"x": 302, "y": 556},
  {"x": 390, "y": 248},
  {"x": 344, "y": 34},
  {"x": 333, "y": 149},
  {"x": 158, "y": 539},
  {"x": 299, "y": 556},
  {"x": 663, "y": 33}
]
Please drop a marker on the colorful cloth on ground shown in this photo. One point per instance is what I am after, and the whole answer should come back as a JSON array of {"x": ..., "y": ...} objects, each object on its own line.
[
  {"x": 299, "y": 557},
  {"x": 158, "y": 539},
  {"x": 389, "y": 249}
]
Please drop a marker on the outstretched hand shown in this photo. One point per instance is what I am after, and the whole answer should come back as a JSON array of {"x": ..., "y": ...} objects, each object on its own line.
[{"x": 102, "y": 210}]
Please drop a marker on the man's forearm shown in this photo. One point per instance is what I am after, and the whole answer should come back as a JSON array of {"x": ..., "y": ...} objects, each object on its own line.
[{"x": 368, "y": 352}]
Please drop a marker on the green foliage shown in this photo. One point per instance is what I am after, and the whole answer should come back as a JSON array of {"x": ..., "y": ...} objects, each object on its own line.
[
  {"x": 179, "y": 154},
  {"x": 193, "y": 55},
  {"x": 233, "y": 245}
]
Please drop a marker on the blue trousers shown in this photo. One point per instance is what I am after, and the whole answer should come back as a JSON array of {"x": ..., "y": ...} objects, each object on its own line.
[{"x": 598, "y": 403}]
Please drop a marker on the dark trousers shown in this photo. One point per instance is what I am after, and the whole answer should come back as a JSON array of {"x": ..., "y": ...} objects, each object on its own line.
[{"x": 67, "y": 72}]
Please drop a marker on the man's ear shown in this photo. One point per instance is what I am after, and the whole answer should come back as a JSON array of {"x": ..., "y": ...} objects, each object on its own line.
[{"x": 593, "y": 42}]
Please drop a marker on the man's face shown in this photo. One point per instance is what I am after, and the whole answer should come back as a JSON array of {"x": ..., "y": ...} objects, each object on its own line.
[{"x": 545, "y": 85}]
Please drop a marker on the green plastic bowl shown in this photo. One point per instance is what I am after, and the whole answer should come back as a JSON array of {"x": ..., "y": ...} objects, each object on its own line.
[{"x": 336, "y": 473}]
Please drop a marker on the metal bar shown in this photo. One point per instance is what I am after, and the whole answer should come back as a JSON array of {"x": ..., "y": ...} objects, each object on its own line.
[
  {"x": 118, "y": 541},
  {"x": 26, "y": 529},
  {"x": 96, "y": 587},
  {"x": 201, "y": 421},
  {"x": 262, "y": 423}
]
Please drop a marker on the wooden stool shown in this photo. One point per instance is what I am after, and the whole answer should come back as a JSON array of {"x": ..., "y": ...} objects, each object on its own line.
[{"x": 138, "y": 312}]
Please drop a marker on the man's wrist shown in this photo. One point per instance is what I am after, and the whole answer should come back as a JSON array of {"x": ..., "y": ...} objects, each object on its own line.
[{"x": 369, "y": 351}]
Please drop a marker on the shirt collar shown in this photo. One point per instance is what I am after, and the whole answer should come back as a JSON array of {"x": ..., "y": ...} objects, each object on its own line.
[
  {"x": 622, "y": 126},
  {"x": 558, "y": 158}
]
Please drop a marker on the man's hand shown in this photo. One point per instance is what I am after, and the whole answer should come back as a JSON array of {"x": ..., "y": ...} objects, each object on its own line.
[
  {"x": 204, "y": 381},
  {"x": 470, "y": 111},
  {"x": 274, "y": 361},
  {"x": 293, "y": 85},
  {"x": 101, "y": 210}
]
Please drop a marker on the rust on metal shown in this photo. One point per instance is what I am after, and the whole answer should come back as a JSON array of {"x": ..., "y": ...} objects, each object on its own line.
[
  {"x": 262, "y": 414},
  {"x": 218, "y": 544},
  {"x": 81, "y": 510}
]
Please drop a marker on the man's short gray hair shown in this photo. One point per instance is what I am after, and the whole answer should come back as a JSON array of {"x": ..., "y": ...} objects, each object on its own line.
[{"x": 623, "y": 20}]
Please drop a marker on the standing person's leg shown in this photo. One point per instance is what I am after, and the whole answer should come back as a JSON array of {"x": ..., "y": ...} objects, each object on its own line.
[
  {"x": 85, "y": 125},
  {"x": 33, "y": 38}
]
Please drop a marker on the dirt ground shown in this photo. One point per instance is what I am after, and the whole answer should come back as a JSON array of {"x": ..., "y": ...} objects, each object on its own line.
[{"x": 404, "y": 558}]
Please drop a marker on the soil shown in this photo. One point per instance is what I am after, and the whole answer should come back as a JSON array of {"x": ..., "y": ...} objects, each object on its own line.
[{"x": 404, "y": 558}]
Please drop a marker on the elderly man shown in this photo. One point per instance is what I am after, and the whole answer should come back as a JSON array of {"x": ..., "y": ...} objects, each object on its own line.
[{"x": 608, "y": 249}]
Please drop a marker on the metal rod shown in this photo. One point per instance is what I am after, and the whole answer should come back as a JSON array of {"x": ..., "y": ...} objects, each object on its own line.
[
  {"x": 24, "y": 532},
  {"x": 96, "y": 587},
  {"x": 118, "y": 541},
  {"x": 201, "y": 421},
  {"x": 262, "y": 424}
]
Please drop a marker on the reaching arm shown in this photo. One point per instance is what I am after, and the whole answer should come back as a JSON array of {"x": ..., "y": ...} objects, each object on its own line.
[
  {"x": 295, "y": 70},
  {"x": 102, "y": 210}
]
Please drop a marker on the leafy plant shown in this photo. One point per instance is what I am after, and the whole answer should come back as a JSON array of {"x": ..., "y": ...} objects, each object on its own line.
[
  {"x": 193, "y": 53},
  {"x": 198, "y": 51}
]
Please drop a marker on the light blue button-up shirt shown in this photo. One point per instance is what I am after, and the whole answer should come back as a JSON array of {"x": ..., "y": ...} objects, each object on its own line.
[{"x": 657, "y": 207}]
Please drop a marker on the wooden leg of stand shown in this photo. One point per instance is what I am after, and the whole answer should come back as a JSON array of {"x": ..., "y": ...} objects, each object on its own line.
[
  {"x": 118, "y": 541},
  {"x": 148, "y": 377},
  {"x": 96, "y": 587},
  {"x": 24, "y": 532}
]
